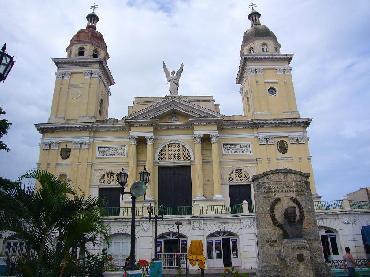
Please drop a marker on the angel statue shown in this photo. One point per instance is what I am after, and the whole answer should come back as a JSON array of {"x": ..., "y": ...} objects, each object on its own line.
[{"x": 173, "y": 78}]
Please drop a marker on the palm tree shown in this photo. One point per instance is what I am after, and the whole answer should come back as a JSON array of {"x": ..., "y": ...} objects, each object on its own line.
[{"x": 55, "y": 223}]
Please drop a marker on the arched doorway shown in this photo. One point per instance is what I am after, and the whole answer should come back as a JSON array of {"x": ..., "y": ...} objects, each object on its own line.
[
  {"x": 118, "y": 246},
  {"x": 329, "y": 243},
  {"x": 174, "y": 178},
  {"x": 223, "y": 249},
  {"x": 172, "y": 249}
]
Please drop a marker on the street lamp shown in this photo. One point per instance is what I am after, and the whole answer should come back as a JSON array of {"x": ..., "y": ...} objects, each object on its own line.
[
  {"x": 178, "y": 224},
  {"x": 6, "y": 63},
  {"x": 156, "y": 217},
  {"x": 144, "y": 177},
  {"x": 137, "y": 190}
]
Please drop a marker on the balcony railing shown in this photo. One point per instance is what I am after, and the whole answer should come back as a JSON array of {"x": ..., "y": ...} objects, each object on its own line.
[
  {"x": 328, "y": 205},
  {"x": 344, "y": 204},
  {"x": 360, "y": 205},
  {"x": 216, "y": 209},
  {"x": 179, "y": 210}
]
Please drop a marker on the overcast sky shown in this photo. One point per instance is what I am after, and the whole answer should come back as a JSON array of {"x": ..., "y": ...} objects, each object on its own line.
[{"x": 331, "y": 67}]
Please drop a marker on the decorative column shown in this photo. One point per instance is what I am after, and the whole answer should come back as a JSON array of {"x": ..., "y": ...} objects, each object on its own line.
[
  {"x": 132, "y": 162},
  {"x": 217, "y": 194},
  {"x": 199, "y": 195},
  {"x": 150, "y": 165}
]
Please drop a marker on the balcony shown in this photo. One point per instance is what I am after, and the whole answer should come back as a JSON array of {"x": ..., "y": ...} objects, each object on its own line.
[{"x": 196, "y": 210}]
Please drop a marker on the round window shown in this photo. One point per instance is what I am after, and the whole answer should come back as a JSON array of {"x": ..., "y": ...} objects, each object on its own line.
[
  {"x": 272, "y": 91},
  {"x": 282, "y": 146}
]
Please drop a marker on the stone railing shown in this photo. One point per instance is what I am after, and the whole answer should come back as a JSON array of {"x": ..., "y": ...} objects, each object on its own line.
[
  {"x": 196, "y": 209},
  {"x": 344, "y": 204}
]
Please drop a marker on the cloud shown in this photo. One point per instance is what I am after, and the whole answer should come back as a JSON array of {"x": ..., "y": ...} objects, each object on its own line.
[{"x": 330, "y": 67}]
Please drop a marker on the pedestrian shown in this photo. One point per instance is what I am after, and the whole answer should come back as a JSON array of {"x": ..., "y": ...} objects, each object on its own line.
[{"x": 349, "y": 262}]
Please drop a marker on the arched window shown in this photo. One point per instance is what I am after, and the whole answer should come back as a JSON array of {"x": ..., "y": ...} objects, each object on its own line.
[
  {"x": 329, "y": 244},
  {"x": 265, "y": 48},
  {"x": 174, "y": 151},
  {"x": 101, "y": 102},
  {"x": 222, "y": 249},
  {"x": 81, "y": 51},
  {"x": 251, "y": 50},
  {"x": 95, "y": 53}
]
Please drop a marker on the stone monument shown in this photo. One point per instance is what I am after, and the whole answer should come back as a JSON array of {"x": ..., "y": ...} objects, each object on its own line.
[{"x": 287, "y": 232}]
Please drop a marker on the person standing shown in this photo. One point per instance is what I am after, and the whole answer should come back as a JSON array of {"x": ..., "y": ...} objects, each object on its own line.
[{"x": 350, "y": 262}]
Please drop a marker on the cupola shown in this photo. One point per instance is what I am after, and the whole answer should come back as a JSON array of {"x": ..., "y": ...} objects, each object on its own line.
[
  {"x": 259, "y": 39},
  {"x": 88, "y": 42}
]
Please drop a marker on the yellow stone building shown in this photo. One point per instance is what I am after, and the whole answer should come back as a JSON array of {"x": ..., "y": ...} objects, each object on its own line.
[{"x": 201, "y": 161}]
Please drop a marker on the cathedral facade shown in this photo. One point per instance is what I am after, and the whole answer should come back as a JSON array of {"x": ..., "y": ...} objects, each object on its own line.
[{"x": 201, "y": 161}]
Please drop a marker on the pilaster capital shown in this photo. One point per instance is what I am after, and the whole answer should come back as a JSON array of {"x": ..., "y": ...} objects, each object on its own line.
[
  {"x": 197, "y": 138},
  {"x": 63, "y": 75},
  {"x": 150, "y": 139},
  {"x": 54, "y": 145},
  {"x": 214, "y": 138},
  {"x": 132, "y": 139},
  {"x": 45, "y": 145}
]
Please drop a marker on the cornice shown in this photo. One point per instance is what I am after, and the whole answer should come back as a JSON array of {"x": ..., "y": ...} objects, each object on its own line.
[
  {"x": 260, "y": 123},
  {"x": 84, "y": 62},
  {"x": 58, "y": 127},
  {"x": 124, "y": 126}
]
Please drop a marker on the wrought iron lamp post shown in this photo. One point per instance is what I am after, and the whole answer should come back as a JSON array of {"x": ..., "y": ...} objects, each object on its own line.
[
  {"x": 178, "y": 224},
  {"x": 6, "y": 63},
  {"x": 137, "y": 190},
  {"x": 156, "y": 217}
]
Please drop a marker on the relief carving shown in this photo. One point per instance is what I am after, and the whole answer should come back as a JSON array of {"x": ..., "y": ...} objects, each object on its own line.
[
  {"x": 111, "y": 151},
  {"x": 236, "y": 148}
]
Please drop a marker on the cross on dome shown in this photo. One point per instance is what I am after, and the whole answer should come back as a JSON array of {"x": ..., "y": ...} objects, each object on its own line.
[
  {"x": 252, "y": 6},
  {"x": 94, "y": 7}
]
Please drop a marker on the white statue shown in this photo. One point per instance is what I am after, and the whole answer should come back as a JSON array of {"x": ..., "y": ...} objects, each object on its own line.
[{"x": 173, "y": 78}]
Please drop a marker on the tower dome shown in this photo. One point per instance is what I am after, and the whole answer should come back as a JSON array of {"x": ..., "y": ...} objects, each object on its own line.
[
  {"x": 88, "y": 42},
  {"x": 259, "y": 39}
]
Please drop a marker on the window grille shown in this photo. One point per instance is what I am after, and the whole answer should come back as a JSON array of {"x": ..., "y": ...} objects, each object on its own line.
[
  {"x": 238, "y": 175},
  {"x": 174, "y": 152}
]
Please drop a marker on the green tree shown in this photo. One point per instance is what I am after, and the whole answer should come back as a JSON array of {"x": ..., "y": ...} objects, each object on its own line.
[
  {"x": 4, "y": 126},
  {"x": 56, "y": 225}
]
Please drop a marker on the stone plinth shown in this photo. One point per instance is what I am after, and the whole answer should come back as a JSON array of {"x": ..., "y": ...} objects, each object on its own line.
[{"x": 287, "y": 231}]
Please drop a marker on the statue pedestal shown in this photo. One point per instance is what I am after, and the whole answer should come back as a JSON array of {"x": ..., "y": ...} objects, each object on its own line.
[{"x": 295, "y": 254}]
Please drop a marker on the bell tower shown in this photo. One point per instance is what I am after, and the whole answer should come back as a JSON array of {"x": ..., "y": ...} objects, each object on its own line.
[
  {"x": 83, "y": 78},
  {"x": 265, "y": 74}
]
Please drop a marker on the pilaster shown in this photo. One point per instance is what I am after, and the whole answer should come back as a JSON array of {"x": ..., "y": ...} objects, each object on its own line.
[
  {"x": 150, "y": 165},
  {"x": 132, "y": 164},
  {"x": 217, "y": 194},
  {"x": 199, "y": 193}
]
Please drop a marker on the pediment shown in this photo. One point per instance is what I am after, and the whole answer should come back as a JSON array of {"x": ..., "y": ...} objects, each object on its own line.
[{"x": 175, "y": 104}]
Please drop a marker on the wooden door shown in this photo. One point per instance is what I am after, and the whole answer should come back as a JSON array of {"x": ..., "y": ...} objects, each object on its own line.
[
  {"x": 239, "y": 193},
  {"x": 174, "y": 186}
]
